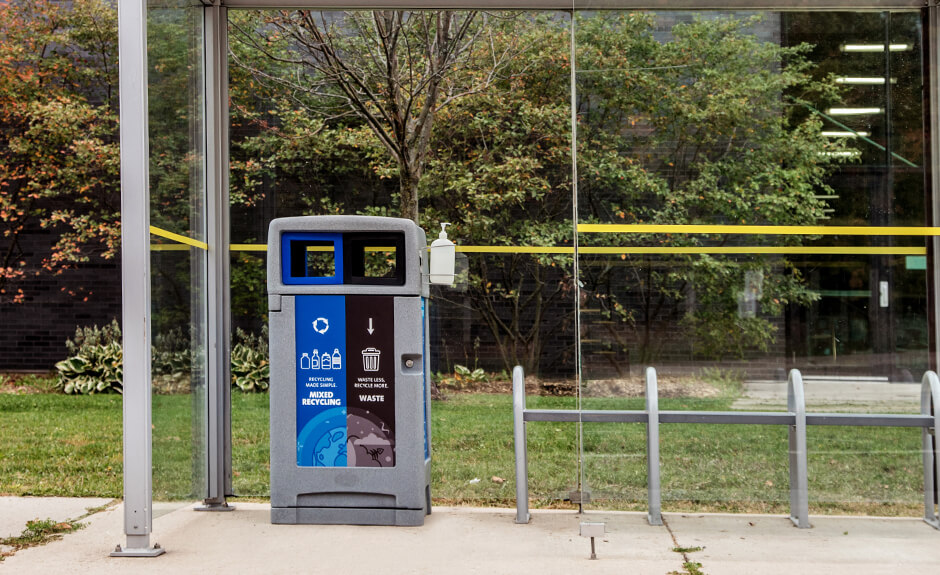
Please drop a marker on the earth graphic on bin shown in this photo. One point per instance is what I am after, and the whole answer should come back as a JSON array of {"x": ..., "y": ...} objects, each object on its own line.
[
  {"x": 330, "y": 450},
  {"x": 322, "y": 441},
  {"x": 369, "y": 443}
]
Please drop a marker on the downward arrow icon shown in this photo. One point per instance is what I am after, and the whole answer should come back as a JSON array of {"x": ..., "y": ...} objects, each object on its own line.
[{"x": 370, "y": 330}]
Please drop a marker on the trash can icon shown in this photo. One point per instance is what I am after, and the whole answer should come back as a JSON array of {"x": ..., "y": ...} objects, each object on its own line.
[{"x": 370, "y": 359}]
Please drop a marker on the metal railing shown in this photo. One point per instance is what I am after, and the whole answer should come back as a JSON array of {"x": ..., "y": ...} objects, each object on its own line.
[{"x": 795, "y": 417}]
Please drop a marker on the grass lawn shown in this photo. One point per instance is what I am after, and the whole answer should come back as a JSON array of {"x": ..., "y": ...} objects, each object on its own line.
[{"x": 71, "y": 446}]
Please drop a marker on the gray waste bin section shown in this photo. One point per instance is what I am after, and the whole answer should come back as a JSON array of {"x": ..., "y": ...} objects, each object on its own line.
[{"x": 350, "y": 400}]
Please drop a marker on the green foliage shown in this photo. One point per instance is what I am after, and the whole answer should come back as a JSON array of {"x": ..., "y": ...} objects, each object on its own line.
[
  {"x": 174, "y": 75},
  {"x": 94, "y": 336},
  {"x": 248, "y": 284},
  {"x": 171, "y": 359},
  {"x": 463, "y": 377},
  {"x": 177, "y": 144},
  {"x": 93, "y": 369},
  {"x": 172, "y": 353},
  {"x": 49, "y": 440},
  {"x": 473, "y": 376},
  {"x": 716, "y": 335},
  {"x": 58, "y": 136},
  {"x": 251, "y": 370},
  {"x": 709, "y": 127},
  {"x": 95, "y": 362},
  {"x": 689, "y": 568},
  {"x": 706, "y": 125},
  {"x": 500, "y": 173},
  {"x": 387, "y": 73}
]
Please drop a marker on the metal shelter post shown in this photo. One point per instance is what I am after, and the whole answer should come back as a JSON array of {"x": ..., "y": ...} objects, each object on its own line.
[
  {"x": 653, "y": 487},
  {"x": 519, "y": 442},
  {"x": 799, "y": 481},
  {"x": 932, "y": 184},
  {"x": 219, "y": 448},
  {"x": 932, "y": 173},
  {"x": 930, "y": 390},
  {"x": 135, "y": 281}
]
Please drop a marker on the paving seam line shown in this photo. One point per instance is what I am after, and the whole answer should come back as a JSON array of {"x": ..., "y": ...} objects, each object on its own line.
[{"x": 675, "y": 545}]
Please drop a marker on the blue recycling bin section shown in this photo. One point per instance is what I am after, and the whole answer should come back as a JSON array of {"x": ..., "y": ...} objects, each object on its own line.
[{"x": 350, "y": 398}]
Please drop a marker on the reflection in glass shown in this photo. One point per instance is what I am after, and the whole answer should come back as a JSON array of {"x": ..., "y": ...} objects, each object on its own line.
[
  {"x": 496, "y": 165},
  {"x": 721, "y": 120},
  {"x": 178, "y": 271},
  {"x": 802, "y": 121}
]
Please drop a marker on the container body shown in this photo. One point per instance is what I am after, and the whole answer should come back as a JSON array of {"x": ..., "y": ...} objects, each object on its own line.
[{"x": 350, "y": 400}]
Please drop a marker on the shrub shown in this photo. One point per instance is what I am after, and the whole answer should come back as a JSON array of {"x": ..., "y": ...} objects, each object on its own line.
[
  {"x": 462, "y": 378},
  {"x": 95, "y": 362},
  {"x": 92, "y": 336},
  {"x": 172, "y": 353},
  {"x": 251, "y": 370}
]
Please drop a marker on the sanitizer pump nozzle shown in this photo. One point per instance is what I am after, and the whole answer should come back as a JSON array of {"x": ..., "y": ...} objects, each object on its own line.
[{"x": 443, "y": 254}]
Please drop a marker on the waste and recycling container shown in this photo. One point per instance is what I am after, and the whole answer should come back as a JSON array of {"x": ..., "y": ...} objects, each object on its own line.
[{"x": 350, "y": 399}]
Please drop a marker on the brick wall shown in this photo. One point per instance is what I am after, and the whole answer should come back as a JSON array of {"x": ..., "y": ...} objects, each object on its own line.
[{"x": 33, "y": 334}]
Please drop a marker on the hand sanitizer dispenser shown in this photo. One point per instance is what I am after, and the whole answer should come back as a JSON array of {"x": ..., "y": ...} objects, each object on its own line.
[{"x": 443, "y": 254}]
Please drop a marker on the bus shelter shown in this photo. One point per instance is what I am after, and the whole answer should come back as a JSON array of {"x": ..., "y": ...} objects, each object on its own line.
[{"x": 875, "y": 308}]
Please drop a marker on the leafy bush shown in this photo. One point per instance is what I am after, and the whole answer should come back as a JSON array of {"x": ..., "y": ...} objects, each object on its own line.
[
  {"x": 251, "y": 369},
  {"x": 172, "y": 361},
  {"x": 470, "y": 375},
  {"x": 92, "y": 336},
  {"x": 463, "y": 377},
  {"x": 95, "y": 363},
  {"x": 172, "y": 353}
]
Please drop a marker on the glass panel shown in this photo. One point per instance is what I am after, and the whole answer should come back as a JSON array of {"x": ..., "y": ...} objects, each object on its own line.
[
  {"x": 803, "y": 121},
  {"x": 865, "y": 471},
  {"x": 178, "y": 266},
  {"x": 495, "y": 163}
]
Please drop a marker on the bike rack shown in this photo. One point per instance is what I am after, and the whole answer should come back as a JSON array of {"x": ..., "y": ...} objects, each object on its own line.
[{"x": 795, "y": 417}]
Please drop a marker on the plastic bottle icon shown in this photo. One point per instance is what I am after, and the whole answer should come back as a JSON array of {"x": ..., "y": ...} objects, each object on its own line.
[
  {"x": 337, "y": 359},
  {"x": 305, "y": 361},
  {"x": 325, "y": 361},
  {"x": 315, "y": 364}
]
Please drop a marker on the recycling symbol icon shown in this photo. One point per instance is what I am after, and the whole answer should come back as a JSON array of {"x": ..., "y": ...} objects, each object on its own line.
[{"x": 321, "y": 325}]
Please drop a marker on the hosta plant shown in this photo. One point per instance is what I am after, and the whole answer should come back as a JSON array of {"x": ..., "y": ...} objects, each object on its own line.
[
  {"x": 94, "y": 368},
  {"x": 251, "y": 370}
]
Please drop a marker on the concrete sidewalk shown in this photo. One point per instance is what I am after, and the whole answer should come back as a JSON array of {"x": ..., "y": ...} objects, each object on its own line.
[
  {"x": 16, "y": 511},
  {"x": 468, "y": 540}
]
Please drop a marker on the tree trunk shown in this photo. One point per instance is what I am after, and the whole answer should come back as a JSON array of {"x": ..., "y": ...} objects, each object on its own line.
[{"x": 408, "y": 189}]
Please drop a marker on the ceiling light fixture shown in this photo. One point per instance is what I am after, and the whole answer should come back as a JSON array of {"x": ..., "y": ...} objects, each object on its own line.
[
  {"x": 853, "y": 111},
  {"x": 845, "y": 134},
  {"x": 876, "y": 81},
  {"x": 875, "y": 47}
]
